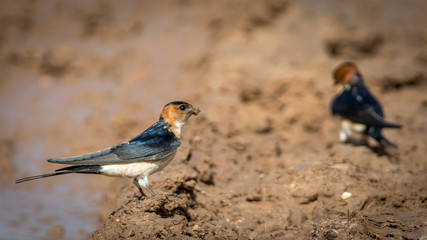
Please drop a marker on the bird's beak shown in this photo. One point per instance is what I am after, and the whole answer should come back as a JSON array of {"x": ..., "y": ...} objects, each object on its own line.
[{"x": 195, "y": 111}]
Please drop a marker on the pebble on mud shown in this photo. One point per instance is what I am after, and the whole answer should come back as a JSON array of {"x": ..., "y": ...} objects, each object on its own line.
[
  {"x": 346, "y": 195},
  {"x": 196, "y": 227}
]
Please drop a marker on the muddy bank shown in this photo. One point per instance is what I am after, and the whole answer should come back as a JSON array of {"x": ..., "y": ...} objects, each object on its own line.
[
  {"x": 263, "y": 158},
  {"x": 264, "y": 161}
]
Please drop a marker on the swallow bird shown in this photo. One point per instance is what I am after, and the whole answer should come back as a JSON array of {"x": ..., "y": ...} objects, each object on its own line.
[
  {"x": 361, "y": 113},
  {"x": 145, "y": 154}
]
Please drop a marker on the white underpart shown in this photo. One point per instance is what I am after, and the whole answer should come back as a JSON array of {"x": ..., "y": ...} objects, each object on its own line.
[
  {"x": 343, "y": 136},
  {"x": 178, "y": 126},
  {"x": 138, "y": 169},
  {"x": 352, "y": 132}
]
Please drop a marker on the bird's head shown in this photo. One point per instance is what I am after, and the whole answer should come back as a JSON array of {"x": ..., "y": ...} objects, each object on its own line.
[
  {"x": 346, "y": 73},
  {"x": 176, "y": 114}
]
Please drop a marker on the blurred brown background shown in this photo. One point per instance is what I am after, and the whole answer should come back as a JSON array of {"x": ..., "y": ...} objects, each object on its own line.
[{"x": 79, "y": 76}]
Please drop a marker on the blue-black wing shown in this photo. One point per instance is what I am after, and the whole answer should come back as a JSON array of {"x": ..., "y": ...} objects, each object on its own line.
[
  {"x": 358, "y": 105},
  {"x": 154, "y": 143}
]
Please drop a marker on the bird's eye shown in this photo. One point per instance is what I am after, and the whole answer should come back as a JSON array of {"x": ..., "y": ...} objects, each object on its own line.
[{"x": 182, "y": 107}]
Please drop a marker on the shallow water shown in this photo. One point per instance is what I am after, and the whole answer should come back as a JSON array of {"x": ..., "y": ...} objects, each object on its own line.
[
  {"x": 30, "y": 209},
  {"x": 113, "y": 81}
]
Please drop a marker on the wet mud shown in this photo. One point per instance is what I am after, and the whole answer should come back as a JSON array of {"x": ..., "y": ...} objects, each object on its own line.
[{"x": 263, "y": 159}]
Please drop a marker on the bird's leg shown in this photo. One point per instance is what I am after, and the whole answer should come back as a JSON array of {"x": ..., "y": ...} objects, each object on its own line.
[
  {"x": 136, "y": 183},
  {"x": 151, "y": 191},
  {"x": 143, "y": 181}
]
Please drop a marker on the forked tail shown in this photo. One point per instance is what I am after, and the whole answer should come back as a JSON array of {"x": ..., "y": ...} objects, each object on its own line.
[{"x": 94, "y": 169}]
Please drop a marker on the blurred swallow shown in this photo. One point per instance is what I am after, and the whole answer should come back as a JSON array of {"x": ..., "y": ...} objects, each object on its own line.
[
  {"x": 362, "y": 114},
  {"x": 147, "y": 153}
]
